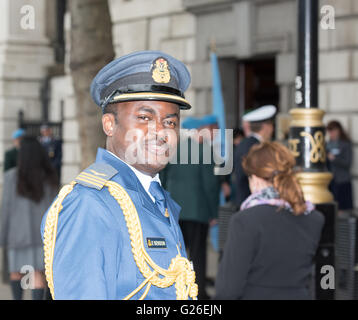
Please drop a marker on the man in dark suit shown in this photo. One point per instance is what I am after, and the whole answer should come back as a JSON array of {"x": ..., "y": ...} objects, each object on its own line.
[
  {"x": 196, "y": 188},
  {"x": 52, "y": 146},
  {"x": 261, "y": 122}
]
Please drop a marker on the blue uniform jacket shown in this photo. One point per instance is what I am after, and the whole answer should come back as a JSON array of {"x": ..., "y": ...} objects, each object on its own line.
[{"x": 93, "y": 258}]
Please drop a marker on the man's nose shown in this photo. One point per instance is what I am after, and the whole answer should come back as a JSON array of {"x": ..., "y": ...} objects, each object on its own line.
[{"x": 155, "y": 128}]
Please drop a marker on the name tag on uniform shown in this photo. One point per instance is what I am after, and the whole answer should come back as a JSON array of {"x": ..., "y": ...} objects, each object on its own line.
[{"x": 156, "y": 243}]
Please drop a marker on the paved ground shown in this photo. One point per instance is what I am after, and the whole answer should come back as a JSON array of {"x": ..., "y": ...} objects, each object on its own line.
[
  {"x": 212, "y": 267},
  {"x": 5, "y": 293}
]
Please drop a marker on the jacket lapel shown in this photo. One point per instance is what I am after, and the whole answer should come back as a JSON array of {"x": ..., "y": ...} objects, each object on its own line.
[{"x": 128, "y": 180}]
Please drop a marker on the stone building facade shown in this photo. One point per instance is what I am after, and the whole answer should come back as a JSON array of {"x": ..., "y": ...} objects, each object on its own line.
[
  {"x": 255, "y": 41},
  {"x": 25, "y": 55}
]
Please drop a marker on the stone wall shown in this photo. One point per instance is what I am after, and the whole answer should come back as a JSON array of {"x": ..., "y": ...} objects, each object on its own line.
[
  {"x": 63, "y": 106},
  {"x": 339, "y": 72},
  {"x": 62, "y": 97},
  {"x": 240, "y": 30},
  {"x": 246, "y": 29},
  {"x": 185, "y": 29},
  {"x": 155, "y": 25},
  {"x": 338, "y": 89},
  {"x": 137, "y": 25},
  {"x": 25, "y": 55}
]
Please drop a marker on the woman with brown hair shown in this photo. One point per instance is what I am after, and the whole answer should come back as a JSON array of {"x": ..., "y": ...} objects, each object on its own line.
[
  {"x": 272, "y": 241},
  {"x": 28, "y": 190},
  {"x": 340, "y": 158}
]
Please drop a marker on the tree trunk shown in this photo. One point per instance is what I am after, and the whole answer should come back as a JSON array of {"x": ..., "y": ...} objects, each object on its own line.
[{"x": 91, "y": 48}]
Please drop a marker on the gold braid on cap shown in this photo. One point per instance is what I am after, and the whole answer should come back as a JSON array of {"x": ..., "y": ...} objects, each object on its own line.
[{"x": 179, "y": 272}]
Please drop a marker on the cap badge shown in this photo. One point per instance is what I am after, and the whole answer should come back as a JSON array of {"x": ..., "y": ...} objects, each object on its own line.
[{"x": 160, "y": 71}]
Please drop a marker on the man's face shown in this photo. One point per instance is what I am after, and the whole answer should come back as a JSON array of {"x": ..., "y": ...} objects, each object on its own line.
[
  {"x": 17, "y": 142},
  {"x": 237, "y": 140},
  {"x": 246, "y": 128},
  {"x": 333, "y": 134},
  {"x": 145, "y": 135},
  {"x": 46, "y": 132},
  {"x": 268, "y": 130},
  {"x": 206, "y": 133}
]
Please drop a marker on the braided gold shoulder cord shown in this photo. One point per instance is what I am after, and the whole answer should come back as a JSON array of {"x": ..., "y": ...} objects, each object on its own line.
[{"x": 179, "y": 271}]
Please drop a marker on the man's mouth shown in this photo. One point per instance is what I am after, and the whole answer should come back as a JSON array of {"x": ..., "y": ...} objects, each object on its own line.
[{"x": 156, "y": 148}]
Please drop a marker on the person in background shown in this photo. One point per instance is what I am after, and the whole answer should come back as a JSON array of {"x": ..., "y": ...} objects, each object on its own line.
[
  {"x": 246, "y": 128},
  {"x": 228, "y": 185},
  {"x": 238, "y": 135},
  {"x": 10, "y": 158},
  {"x": 273, "y": 240},
  {"x": 196, "y": 189},
  {"x": 10, "y": 161},
  {"x": 28, "y": 190},
  {"x": 52, "y": 146},
  {"x": 261, "y": 122},
  {"x": 228, "y": 190},
  {"x": 340, "y": 156}
]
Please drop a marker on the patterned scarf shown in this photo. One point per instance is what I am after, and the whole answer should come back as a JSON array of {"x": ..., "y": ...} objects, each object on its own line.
[{"x": 271, "y": 197}]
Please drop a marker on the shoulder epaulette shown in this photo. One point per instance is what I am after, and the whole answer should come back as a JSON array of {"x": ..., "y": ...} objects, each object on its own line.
[{"x": 96, "y": 175}]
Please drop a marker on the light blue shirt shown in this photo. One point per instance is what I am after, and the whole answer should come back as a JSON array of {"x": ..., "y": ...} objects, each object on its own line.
[{"x": 143, "y": 178}]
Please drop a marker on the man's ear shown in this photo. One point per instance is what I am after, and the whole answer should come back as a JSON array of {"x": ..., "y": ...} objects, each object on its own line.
[{"x": 108, "y": 123}]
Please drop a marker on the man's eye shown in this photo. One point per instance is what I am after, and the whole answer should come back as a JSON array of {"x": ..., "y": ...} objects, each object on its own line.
[
  {"x": 171, "y": 123},
  {"x": 145, "y": 118}
]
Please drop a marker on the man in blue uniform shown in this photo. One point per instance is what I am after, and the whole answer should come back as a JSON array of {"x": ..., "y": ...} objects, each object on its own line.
[{"x": 113, "y": 233}]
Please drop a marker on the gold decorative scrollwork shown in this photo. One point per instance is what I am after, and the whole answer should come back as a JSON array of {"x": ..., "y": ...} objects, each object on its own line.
[
  {"x": 293, "y": 145},
  {"x": 318, "y": 152}
]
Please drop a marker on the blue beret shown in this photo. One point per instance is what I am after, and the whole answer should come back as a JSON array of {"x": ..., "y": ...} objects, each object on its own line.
[
  {"x": 208, "y": 119},
  {"x": 142, "y": 75},
  {"x": 191, "y": 123},
  {"x": 18, "y": 133}
]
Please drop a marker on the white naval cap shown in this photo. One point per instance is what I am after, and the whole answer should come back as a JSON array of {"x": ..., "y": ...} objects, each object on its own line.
[{"x": 260, "y": 114}]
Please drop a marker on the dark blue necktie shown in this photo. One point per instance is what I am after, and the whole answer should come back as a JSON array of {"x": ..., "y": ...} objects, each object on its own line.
[{"x": 157, "y": 192}]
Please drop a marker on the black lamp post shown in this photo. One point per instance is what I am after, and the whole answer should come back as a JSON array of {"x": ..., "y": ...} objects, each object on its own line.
[{"x": 307, "y": 136}]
